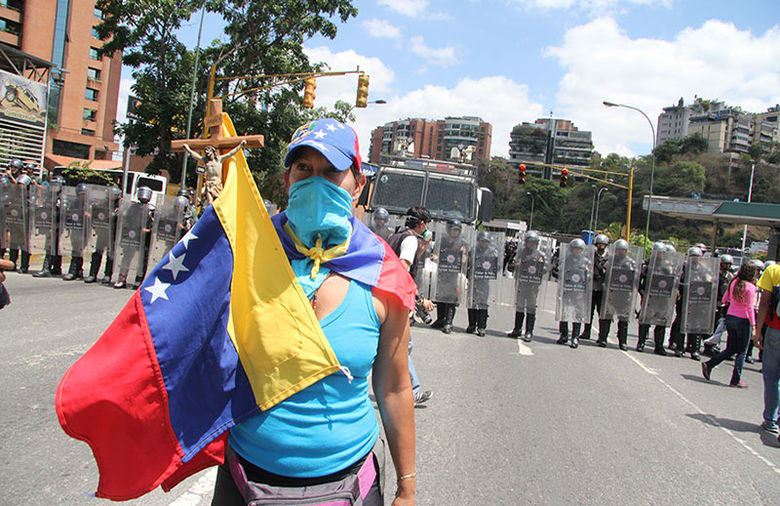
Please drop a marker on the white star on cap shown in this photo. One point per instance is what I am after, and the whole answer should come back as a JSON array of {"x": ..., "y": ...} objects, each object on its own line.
[
  {"x": 319, "y": 134},
  {"x": 158, "y": 290},
  {"x": 175, "y": 265},
  {"x": 317, "y": 144},
  {"x": 331, "y": 127},
  {"x": 187, "y": 238}
]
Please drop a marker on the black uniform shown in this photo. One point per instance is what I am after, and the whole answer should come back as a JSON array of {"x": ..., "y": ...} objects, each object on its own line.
[
  {"x": 483, "y": 268},
  {"x": 529, "y": 269},
  {"x": 449, "y": 266},
  {"x": 599, "y": 277}
]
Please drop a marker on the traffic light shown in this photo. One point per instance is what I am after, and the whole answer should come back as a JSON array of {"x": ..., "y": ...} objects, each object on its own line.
[
  {"x": 308, "y": 93},
  {"x": 522, "y": 175},
  {"x": 362, "y": 91},
  {"x": 564, "y": 178}
]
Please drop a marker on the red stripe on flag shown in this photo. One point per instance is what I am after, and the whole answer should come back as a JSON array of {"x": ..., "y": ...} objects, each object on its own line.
[
  {"x": 114, "y": 399},
  {"x": 395, "y": 279}
]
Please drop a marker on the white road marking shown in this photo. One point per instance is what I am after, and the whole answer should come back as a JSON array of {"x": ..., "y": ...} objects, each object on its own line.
[
  {"x": 712, "y": 420},
  {"x": 522, "y": 349},
  {"x": 199, "y": 490}
]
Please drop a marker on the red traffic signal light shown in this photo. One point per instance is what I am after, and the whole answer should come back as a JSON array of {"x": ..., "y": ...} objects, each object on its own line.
[
  {"x": 564, "y": 178},
  {"x": 521, "y": 175}
]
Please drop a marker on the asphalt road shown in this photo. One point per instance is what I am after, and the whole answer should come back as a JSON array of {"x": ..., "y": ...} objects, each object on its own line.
[{"x": 509, "y": 423}]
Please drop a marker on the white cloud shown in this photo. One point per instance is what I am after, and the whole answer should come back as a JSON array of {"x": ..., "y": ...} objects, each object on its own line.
[
  {"x": 588, "y": 5},
  {"x": 381, "y": 28},
  {"x": 442, "y": 57},
  {"x": 496, "y": 99},
  {"x": 412, "y": 8},
  {"x": 714, "y": 61}
]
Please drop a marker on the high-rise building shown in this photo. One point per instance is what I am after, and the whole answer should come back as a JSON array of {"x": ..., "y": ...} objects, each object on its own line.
[
  {"x": 433, "y": 139},
  {"x": 83, "y": 87},
  {"x": 549, "y": 141},
  {"x": 673, "y": 123}
]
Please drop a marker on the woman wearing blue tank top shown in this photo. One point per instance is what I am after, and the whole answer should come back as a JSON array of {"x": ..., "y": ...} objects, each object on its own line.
[{"x": 321, "y": 445}]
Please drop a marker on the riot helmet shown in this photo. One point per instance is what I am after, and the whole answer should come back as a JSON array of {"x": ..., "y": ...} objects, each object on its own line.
[
  {"x": 144, "y": 194},
  {"x": 577, "y": 244},
  {"x": 57, "y": 182},
  {"x": 114, "y": 192},
  {"x": 482, "y": 236},
  {"x": 380, "y": 213},
  {"x": 454, "y": 225},
  {"x": 601, "y": 239},
  {"x": 184, "y": 193},
  {"x": 24, "y": 180},
  {"x": 701, "y": 246},
  {"x": 659, "y": 246},
  {"x": 81, "y": 189},
  {"x": 180, "y": 203},
  {"x": 758, "y": 263},
  {"x": 531, "y": 238},
  {"x": 695, "y": 251},
  {"x": 15, "y": 164},
  {"x": 621, "y": 245},
  {"x": 726, "y": 260},
  {"x": 670, "y": 249}
]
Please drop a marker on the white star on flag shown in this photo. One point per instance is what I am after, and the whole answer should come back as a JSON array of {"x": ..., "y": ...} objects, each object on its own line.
[
  {"x": 187, "y": 238},
  {"x": 331, "y": 127},
  {"x": 319, "y": 134},
  {"x": 158, "y": 290},
  {"x": 175, "y": 265}
]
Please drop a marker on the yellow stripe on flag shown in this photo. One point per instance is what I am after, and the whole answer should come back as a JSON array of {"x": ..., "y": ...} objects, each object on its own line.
[{"x": 272, "y": 324}]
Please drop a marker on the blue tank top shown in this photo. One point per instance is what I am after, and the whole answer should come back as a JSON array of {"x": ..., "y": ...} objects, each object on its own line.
[{"x": 331, "y": 424}]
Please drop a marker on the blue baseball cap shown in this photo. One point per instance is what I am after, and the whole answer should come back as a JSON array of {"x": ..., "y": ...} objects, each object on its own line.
[{"x": 333, "y": 139}]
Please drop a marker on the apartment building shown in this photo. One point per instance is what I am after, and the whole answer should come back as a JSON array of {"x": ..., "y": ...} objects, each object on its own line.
[
  {"x": 550, "y": 141},
  {"x": 82, "y": 87},
  {"x": 434, "y": 139}
]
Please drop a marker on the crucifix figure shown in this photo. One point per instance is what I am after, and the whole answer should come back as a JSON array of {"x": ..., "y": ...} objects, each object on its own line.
[
  {"x": 212, "y": 146},
  {"x": 212, "y": 161}
]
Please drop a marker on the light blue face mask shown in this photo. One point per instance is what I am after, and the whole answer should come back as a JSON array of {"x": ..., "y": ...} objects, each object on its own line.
[{"x": 317, "y": 207}]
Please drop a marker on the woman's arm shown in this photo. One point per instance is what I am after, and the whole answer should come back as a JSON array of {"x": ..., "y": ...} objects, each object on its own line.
[{"x": 393, "y": 390}]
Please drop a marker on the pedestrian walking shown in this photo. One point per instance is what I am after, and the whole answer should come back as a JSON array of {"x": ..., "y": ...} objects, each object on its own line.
[{"x": 769, "y": 342}]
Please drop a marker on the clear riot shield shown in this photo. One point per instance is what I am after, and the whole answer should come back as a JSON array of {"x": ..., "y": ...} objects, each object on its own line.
[
  {"x": 485, "y": 267},
  {"x": 620, "y": 285},
  {"x": 74, "y": 221},
  {"x": 532, "y": 262},
  {"x": 700, "y": 294},
  {"x": 15, "y": 218},
  {"x": 167, "y": 229},
  {"x": 132, "y": 228},
  {"x": 660, "y": 289},
  {"x": 575, "y": 284},
  {"x": 43, "y": 217},
  {"x": 378, "y": 226},
  {"x": 451, "y": 253},
  {"x": 102, "y": 203}
]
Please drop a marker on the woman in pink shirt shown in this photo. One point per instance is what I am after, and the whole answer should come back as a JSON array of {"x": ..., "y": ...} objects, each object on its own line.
[{"x": 740, "y": 323}]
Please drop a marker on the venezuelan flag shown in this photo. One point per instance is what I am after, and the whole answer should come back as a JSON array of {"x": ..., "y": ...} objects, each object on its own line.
[{"x": 218, "y": 331}]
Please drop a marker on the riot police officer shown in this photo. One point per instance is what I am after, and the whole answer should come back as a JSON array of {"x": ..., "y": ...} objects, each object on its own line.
[
  {"x": 379, "y": 223},
  {"x": 483, "y": 266},
  {"x": 452, "y": 255},
  {"x": 17, "y": 222},
  {"x": 75, "y": 215},
  {"x": 600, "y": 260},
  {"x": 103, "y": 214},
  {"x": 724, "y": 278},
  {"x": 574, "y": 282},
  {"x": 622, "y": 279},
  {"x": 658, "y": 289},
  {"x": 696, "y": 271},
  {"x": 134, "y": 227},
  {"x": 529, "y": 268}
]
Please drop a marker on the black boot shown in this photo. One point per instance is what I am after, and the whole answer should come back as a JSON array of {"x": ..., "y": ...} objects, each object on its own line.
[
  {"x": 472, "y": 321},
  {"x": 643, "y": 331},
  {"x": 24, "y": 264},
  {"x": 109, "y": 271},
  {"x": 45, "y": 271},
  {"x": 2, "y": 252},
  {"x": 604, "y": 326},
  {"x": 13, "y": 255},
  {"x": 56, "y": 265},
  {"x": 694, "y": 344},
  {"x": 482, "y": 322},
  {"x": 585, "y": 332},
  {"x": 530, "y": 320},
  {"x": 575, "y": 330},
  {"x": 76, "y": 269},
  {"x": 517, "y": 331},
  {"x": 658, "y": 339},
  {"x": 622, "y": 335},
  {"x": 94, "y": 267},
  {"x": 449, "y": 315},
  {"x": 441, "y": 313},
  {"x": 563, "y": 331}
]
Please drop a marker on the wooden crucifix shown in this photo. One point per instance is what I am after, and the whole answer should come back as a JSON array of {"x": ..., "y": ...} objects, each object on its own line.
[{"x": 214, "y": 147}]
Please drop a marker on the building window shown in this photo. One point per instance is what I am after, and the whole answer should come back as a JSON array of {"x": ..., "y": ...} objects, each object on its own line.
[
  {"x": 10, "y": 27},
  {"x": 98, "y": 13},
  {"x": 91, "y": 94},
  {"x": 93, "y": 74},
  {"x": 93, "y": 53},
  {"x": 87, "y": 131},
  {"x": 95, "y": 33},
  {"x": 88, "y": 114},
  {"x": 72, "y": 149}
]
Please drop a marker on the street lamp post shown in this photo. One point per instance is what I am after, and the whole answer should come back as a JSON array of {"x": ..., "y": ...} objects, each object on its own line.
[
  {"x": 598, "y": 201},
  {"x": 183, "y": 184},
  {"x": 531, "y": 219},
  {"x": 652, "y": 166},
  {"x": 592, "y": 208},
  {"x": 750, "y": 198}
]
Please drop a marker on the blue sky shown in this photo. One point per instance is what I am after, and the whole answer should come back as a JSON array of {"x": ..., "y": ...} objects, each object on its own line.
[{"x": 510, "y": 61}]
